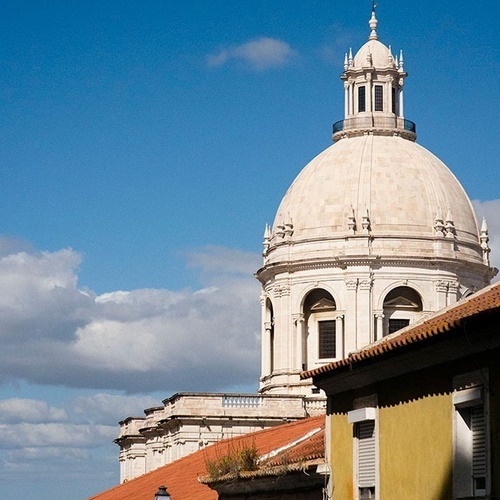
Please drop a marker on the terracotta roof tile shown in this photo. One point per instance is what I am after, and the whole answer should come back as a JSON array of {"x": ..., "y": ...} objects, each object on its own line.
[
  {"x": 482, "y": 302},
  {"x": 310, "y": 448},
  {"x": 181, "y": 476}
]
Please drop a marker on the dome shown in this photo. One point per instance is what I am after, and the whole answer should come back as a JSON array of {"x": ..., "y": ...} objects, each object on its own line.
[
  {"x": 373, "y": 234},
  {"x": 374, "y": 53},
  {"x": 387, "y": 186}
]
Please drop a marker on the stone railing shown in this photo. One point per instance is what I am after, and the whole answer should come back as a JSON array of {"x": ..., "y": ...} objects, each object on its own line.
[
  {"x": 315, "y": 406},
  {"x": 242, "y": 401},
  {"x": 357, "y": 125}
]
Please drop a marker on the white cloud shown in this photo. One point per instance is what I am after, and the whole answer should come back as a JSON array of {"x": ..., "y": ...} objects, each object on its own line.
[
  {"x": 52, "y": 332},
  {"x": 260, "y": 54},
  {"x": 34, "y": 435},
  {"x": 26, "y": 435},
  {"x": 108, "y": 409},
  {"x": 47, "y": 453},
  {"x": 30, "y": 410}
]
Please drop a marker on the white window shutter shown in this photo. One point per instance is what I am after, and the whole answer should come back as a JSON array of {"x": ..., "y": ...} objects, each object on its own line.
[
  {"x": 366, "y": 454},
  {"x": 478, "y": 426}
]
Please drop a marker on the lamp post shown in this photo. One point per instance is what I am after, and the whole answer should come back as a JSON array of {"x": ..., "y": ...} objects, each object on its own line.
[{"x": 162, "y": 494}]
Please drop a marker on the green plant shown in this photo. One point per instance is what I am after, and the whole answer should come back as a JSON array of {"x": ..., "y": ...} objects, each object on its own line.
[{"x": 238, "y": 458}]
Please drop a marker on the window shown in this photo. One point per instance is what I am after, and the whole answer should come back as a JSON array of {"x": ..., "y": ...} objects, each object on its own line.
[
  {"x": 361, "y": 99},
  {"x": 379, "y": 98},
  {"x": 397, "y": 324},
  {"x": 365, "y": 451},
  {"x": 326, "y": 340},
  {"x": 393, "y": 100},
  {"x": 471, "y": 458},
  {"x": 402, "y": 305},
  {"x": 320, "y": 338},
  {"x": 365, "y": 434}
]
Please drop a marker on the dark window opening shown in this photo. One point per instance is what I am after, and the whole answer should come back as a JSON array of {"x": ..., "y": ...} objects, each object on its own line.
[
  {"x": 379, "y": 98},
  {"x": 393, "y": 100},
  {"x": 361, "y": 99},
  {"x": 326, "y": 339},
  {"x": 397, "y": 324},
  {"x": 366, "y": 493}
]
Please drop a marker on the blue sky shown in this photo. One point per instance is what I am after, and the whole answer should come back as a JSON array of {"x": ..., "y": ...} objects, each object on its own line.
[{"x": 144, "y": 145}]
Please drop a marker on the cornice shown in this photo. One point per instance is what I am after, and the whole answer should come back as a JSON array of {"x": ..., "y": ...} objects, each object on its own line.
[{"x": 373, "y": 261}]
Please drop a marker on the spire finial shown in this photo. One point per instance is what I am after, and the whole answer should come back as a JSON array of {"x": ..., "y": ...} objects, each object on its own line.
[{"x": 373, "y": 23}]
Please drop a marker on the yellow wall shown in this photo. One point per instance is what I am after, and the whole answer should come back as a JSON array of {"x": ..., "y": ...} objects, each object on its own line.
[
  {"x": 416, "y": 436},
  {"x": 341, "y": 456},
  {"x": 415, "y": 433}
]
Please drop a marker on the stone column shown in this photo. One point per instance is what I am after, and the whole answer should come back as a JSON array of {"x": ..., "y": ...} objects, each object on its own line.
[
  {"x": 350, "y": 332},
  {"x": 266, "y": 339},
  {"x": 441, "y": 288},
  {"x": 389, "y": 94},
  {"x": 301, "y": 359},
  {"x": 452, "y": 292},
  {"x": 351, "y": 97},
  {"x": 401, "y": 110},
  {"x": 379, "y": 330},
  {"x": 365, "y": 329},
  {"x": 266, "y": 349},
  {"x": 283, "y": 328},
  {"x": 339, "y": 336},
  {"x": 369, "y": 91},
  {"x": 346, "y": 100}
]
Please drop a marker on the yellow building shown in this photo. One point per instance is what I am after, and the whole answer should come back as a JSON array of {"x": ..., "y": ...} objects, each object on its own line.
[{"x": 416, "y": 415}]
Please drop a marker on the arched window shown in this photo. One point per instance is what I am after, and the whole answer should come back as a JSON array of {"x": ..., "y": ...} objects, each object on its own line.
[
  {"x": 321, "y": 335},
  {"x": 402, "y": 305}
]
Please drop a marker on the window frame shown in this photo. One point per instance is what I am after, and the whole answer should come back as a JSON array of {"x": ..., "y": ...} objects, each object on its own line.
[
  {"x": 325, "y": 336},
  {"x": 362, "y": 419}
]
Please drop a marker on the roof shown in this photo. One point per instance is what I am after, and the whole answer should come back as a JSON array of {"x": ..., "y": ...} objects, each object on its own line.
[
  {"x": 181, "y": 476},
  {"x": 482, "y": 302}
]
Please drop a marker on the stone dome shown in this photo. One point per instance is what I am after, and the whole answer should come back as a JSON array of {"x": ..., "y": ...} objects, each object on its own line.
[
  {"x": 373, "y": 53},
  {"x": 395, "y": 187},
  {"x": 373, "y": 234}
]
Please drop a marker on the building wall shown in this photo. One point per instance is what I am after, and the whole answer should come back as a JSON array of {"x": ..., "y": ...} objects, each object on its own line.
[
  {"x": 315, "y": 494},
  {"x": 416, "y": 447},
  {"x": 341, "y": 456},
  {"x": 415, "y": 426}
]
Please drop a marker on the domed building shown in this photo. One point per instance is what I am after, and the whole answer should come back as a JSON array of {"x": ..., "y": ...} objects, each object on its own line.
[{"x": 373, "y": 234}]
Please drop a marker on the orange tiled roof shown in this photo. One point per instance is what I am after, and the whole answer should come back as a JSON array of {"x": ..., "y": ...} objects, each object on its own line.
[
  {"x": 305, "y": 450},
  {"x": 481, "y": 302},
  {"x": 181, "y": 476}
]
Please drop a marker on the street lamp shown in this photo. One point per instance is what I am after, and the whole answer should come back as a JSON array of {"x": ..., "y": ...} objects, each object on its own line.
[{"x": 162, "y": 494}]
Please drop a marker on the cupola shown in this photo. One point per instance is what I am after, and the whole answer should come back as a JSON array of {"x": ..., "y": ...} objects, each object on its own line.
[{"x": 373, "y": 91}]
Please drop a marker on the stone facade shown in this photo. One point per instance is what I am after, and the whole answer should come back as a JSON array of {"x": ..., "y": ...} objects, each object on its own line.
[{"x": 187, "y": 422}]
